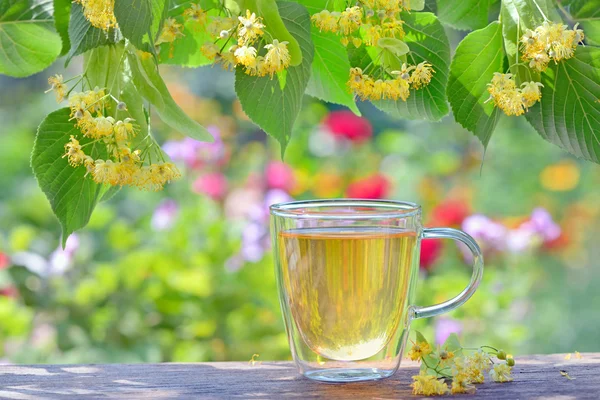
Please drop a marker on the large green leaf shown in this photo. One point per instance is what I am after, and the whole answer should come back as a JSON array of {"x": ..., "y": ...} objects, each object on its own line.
[
  {"x": 151, "y": 86},
  {"x": 569, "y": 112},
  {"x": 330, "y": 70},
  {"x": 84, "y": 36},
  {"x": 428, "y": 42},
  {"x": 135, "y": 19},
  {"x": 477, "y": 57},
  {"x": 516, "y": 17},
  {"x": 62, "y": 14},
  {"x": 71, "y": 195},
  {"x": 270, "y": 106},
  {"x": 28, "y": 41},
  {"x": 465, "y": 14}
]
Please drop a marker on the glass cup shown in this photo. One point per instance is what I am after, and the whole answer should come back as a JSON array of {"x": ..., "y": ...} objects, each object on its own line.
[{"x": 346, "y": 271}]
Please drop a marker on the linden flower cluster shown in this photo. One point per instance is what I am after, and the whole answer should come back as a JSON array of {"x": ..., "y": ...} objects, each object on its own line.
[
  {"x": 509, "y": 98},
  {"x": 100, "y": 13},
  {"x": 442, "y": 366},
  {"x": 123, "y": 166},
  {"x": 368, "y": 88},
  {"x": 379, "y": 18},
  {"x": 550, "y": 41},
  {"x": 248, "y": 31}
]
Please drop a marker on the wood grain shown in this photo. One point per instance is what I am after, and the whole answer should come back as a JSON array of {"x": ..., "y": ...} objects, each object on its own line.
[{"x": 536, "y": 377}]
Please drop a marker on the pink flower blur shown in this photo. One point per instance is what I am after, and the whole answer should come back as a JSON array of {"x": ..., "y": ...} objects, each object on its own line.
[
  {"x": 347, "y": 125},
  {"x": 213, "y": 185},
  {"x": 280, "y": 176}
]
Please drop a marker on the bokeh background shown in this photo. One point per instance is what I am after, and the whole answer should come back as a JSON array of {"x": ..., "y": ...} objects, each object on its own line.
[{"x": 187, "y": 274}]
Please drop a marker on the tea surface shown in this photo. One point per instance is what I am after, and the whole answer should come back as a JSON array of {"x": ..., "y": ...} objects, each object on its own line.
[{"x": 347, "y": 287}]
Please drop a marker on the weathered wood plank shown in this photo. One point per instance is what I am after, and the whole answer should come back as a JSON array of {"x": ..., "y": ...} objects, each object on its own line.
[{"x": 536, "y": 377}]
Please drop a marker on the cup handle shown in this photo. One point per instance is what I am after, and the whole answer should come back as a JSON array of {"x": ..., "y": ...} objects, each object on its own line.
[{"x": 455, "y": 234}]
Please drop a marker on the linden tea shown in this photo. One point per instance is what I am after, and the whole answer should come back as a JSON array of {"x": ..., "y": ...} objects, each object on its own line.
[{"x": 347, "y": 286}]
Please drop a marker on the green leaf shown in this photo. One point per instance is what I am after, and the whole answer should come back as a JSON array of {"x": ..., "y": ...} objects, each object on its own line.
[
  {"x": 71, "y": 195},
  {"x": 62, "y": 13},
  {"x": 569, "y": 112},
  {"x": 420, "y": 338},
  {"x": 395, "y": 46},
  {"x": 315, "y": 6},
  {"x": 427, "y": 41},
  {"x": 416, "y": 5},
  {"x": 135, "y": 19},
  {"x": 592, "y": 32},
  {"x": 28, "y": 40},
  {"x": 465, "y": 14},
  {"x": 84, "y": 36},
  {"x": 330, "y": 71},
  {"x": 582, "y": 9},
  {"x": 262, "y": 99},
  {"x": 452, "y": 343},
  {"x": 151, "y": 86},
  {"x": 516, "y": 17},
  {"x": 477, "y": 57}
]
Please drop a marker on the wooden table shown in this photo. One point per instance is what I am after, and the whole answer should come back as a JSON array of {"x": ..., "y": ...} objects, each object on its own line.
[{"x": 536, "y": 377}]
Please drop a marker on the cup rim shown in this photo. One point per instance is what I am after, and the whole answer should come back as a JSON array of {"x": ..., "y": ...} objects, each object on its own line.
[{"x": 381, "y": 209}]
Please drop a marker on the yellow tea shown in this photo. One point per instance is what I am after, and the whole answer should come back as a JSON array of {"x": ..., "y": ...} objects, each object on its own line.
[{"x": 346, "y": 287}]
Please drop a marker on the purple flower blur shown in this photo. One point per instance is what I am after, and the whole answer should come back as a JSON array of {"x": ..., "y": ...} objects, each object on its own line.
[
  {"x": 165, "y": 215},
  {"x": 541, "y": 223},
  {"x": 488, "y": 233},
  {"x": 195, "y": 153},
  {"x": 444, "y": 327}
]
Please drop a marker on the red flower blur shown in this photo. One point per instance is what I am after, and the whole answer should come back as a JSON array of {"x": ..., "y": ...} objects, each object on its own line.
[
  {"x": 214, "y": 185},
  {"x": 375, "y": 186},
  {"x": 345, "y": 124},
  {"x": 4, "y": 260},
  {"x": 450, "y": 213},
  {"x": 280, "y": 176},
  {"x": 431, "y": 250}
]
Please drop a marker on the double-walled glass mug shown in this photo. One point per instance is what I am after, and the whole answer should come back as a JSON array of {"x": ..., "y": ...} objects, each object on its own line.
[{"x": 346, "y": 271}]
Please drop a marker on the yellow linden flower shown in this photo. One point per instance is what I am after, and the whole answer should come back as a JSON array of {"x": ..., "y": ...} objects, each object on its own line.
[
  {"x": 398, "y": 89},
  {"x": 75, "y": 155},
  {"x": 100, "y": 13},
  {"x": 345, "y": 41},
  {"x": 163, "y": 172},
  {"x": 350, "y": 20},
  {"x": 170, "y": 32},
  {"x": 428, "y": 385},
  {"x": 105, "y": 172},
  {"x": 195, "y": 13},
  {"x": 245, "y": 55},
  {"x": 419, "y": 350},
  {"x": 326, "y": 21},
  {"x": 357, "y": 42},
  {"x": 501, "y": 373},
  {"x": 392, "y": 29},
  {"x": 56, "y": 84},
  {"x": 531, "y": 93},
  {"x": 462, "y": 384},
  {"x": 250, "y": 27},
  {"x": 104, "y": 127},
  {"x": 421, "y": 75},
  {"x": 124, "y": 130},
  {"x": 227, "y": 59},
  {"x": 277, "y": 57},
  {"x": 550, "y": 41},
  {"x": 210, "y": 50}
]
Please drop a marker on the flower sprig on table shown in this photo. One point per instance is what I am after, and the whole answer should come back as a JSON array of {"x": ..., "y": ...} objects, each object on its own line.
[{"x": 456, "y": 369}]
